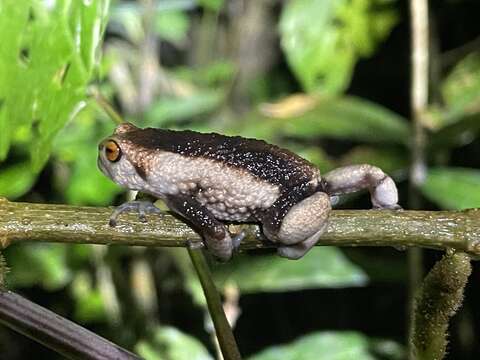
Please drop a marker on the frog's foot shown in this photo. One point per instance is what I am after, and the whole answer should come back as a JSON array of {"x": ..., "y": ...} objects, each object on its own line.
[
  {"x": 390, "y": 207},
  {"x": 141, "y": 207},
  {"x": 347, "y": 179}
]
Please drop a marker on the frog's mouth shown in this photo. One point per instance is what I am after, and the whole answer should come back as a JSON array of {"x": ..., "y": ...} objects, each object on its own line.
[{"x": 102, "y": 167}]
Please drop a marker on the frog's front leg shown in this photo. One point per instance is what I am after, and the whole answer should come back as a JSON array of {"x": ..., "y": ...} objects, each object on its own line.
[
  {"x": 142, "y": 207},
  {"x": 215, "y": 234},
  {"x": 344, "y": 180},
  {"x": 297, "y": 227}
]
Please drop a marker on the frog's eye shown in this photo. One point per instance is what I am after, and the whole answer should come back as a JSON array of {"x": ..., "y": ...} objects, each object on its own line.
[{"x": 112, "y": 151}]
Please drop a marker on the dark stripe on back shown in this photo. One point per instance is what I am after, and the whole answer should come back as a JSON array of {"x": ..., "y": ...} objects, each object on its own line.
[{"x": 266, "y": 161}]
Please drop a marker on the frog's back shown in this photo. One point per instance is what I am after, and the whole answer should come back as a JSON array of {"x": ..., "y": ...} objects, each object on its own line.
[{"x": 263, "y": 160}]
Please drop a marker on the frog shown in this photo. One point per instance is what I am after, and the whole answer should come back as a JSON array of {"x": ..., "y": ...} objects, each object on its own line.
[{"x": 209, "y": 180}]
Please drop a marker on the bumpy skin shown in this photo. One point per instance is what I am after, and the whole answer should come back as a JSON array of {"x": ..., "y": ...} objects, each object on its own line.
[{"x": 209, "y": 178}]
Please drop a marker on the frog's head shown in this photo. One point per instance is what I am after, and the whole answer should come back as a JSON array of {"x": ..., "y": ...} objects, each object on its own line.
[{"x": 119, "y": 157}]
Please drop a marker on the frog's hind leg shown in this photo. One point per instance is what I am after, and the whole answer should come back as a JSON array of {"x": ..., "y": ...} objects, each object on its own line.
[
  {"x": 296, "y": 251},
  {"x": 298, "y": 228},
  {"x": 347, "y": 179},
  {"x": 215, "y": 234}
]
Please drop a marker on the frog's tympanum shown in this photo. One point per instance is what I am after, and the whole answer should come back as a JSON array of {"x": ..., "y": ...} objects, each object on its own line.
[{"x": 210, "y": 178}]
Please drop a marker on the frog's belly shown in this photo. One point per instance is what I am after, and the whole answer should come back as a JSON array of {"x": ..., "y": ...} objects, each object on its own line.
[
  {"x": 229, "y": 193},
  {"x": 232, "y": 204}
]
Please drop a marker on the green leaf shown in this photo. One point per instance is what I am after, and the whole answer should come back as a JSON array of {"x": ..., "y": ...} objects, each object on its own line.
[
  {"x": 461, "y": 88},
  {"x": 87, "y": 185},
  {"x": 13, "y": 20},
  {"x": 175, "y": 109},
  {"x": 170, "y": 343},
  {"x": 328, "y": 345},
  {"x": 89, "y": 304},
  {"x": 172, "y": 25},
  {"x": 460, "y": 132},
  {"x": 47, "y": 265},
  {"x": 322, "y": 267},
  {"x": 390, "y": 160},
  {"x": 76, "y": 151},
  {"x": 16, "y": 180},
  {"x": 352, "y": 119},
  {"x": 461, "y": 98},
  {"x": 347, "y": 118},
  {"x": 453, "y": 188},
  {"x": 387, "y": 349},
  {"x": 314, "y": 154},
  {"x": 45, "y": 67},
  {"x": 213, "y": 5},
  {"x": 212, "y": 75},
  {"x": 323, "y": 39}
]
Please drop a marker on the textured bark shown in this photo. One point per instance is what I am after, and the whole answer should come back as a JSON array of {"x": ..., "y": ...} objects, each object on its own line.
[{"x": 19, "y": 222}]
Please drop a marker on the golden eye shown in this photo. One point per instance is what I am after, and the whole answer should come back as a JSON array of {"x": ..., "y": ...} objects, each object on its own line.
[{"x": 112, "y": 151}]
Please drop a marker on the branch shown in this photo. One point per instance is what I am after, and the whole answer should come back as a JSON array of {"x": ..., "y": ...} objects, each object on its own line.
[
  {"x": 56, "y": 332},
  {"x": 20, "y": 222}
]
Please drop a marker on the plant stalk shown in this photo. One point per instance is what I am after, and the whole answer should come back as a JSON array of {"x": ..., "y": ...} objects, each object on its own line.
[
  {"x": 223, "y": 330},
  {"x": 56, "y": 332}
]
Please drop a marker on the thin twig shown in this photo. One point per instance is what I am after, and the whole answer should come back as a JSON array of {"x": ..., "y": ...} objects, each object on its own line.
[
  {"x": 223, "y": 330},
  {"x": 419, "y": 101},
  {"x": 106, "y": 106}
]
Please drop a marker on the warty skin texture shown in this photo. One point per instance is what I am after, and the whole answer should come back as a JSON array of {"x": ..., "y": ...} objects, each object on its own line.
[{"x": 209, "y": 178}]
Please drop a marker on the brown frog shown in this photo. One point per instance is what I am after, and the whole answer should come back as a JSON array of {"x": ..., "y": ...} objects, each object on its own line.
[{"x": 210, "y": 178}]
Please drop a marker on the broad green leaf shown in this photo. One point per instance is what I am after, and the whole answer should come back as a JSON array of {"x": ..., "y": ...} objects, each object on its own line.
[
  {"x": 347, "y": 118},
  {"x": 45, "y": 67},
  {"x": 314, "y": 154},
  {"x": 380, "y": 265},
  {"x": 327, "y": 345},
  {"x": 453, "y": 188},
  {"x": 13, "y": 20},
  {"x": 181, "y": 108},
  {"x": 16, "y": 180},
  {"x": 47, "y": 265},
  {"x": 323, "y": 39},
  {"x": 461, "y": 88},
  {"x": 387, "y": 349},
  {"x": 460, "y": 132},
  {"x": 350, "y": 118},
  {"x": 461, "y": 96},
  {"x": 322, "y": 267},
  {"x": 170, "y": 343}
]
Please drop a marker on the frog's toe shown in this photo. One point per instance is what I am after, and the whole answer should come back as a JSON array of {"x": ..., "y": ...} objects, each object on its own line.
[
  {"x": 389, "y": 207},
  {"x": 141, "y": 207},
  {"x": 237, "y": 239}
]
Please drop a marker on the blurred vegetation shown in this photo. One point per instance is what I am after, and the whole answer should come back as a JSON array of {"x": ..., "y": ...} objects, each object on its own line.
[{"x": 324, "y": 78}]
